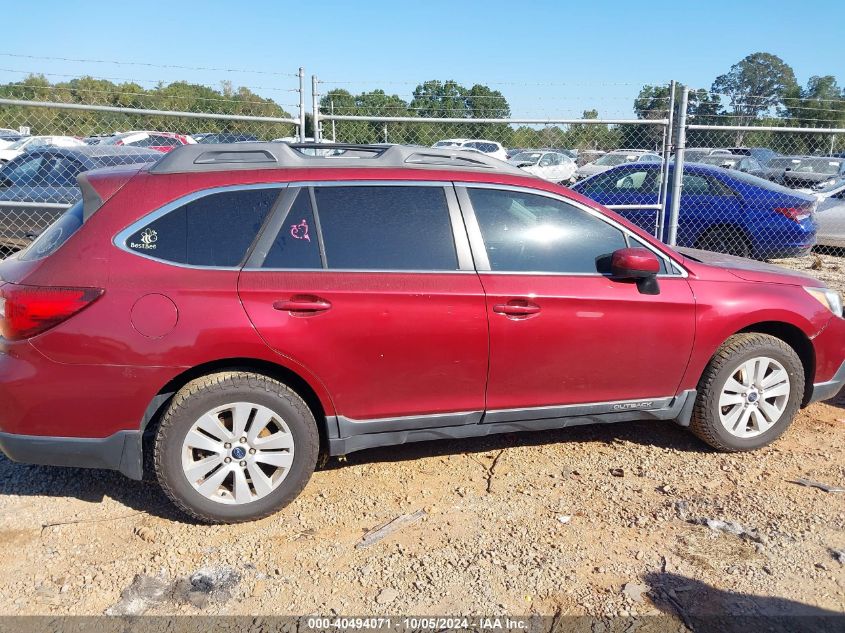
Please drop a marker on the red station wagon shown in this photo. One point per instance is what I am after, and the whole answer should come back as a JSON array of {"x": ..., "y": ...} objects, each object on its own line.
[{"x": 234, "y": 310}]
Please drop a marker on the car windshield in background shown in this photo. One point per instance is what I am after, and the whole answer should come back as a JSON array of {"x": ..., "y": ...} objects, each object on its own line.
[
  {"x": 760, "y": 182},
  {"x": 446, "y": 144},
  {"x": 611, "y": 160},
  {"x": 526, "y": 157},
  {"x": 21, "y": 143},
  {"x": 719, "y": 160},
  {"x": 783, "y": 163},
  {"x": 818, "y": 166}
]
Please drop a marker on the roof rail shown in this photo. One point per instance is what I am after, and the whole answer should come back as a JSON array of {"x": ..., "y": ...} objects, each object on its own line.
[{"x": 261, "y": 155}]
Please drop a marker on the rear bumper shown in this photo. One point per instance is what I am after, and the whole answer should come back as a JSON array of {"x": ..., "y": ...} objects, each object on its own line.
[
  {"x": 121, "y": 451},
  {"x": 829, "y": 388}
]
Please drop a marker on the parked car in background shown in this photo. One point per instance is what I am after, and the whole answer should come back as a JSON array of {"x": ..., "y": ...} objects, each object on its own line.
[
  {"x": 242, "y": 317},
  {"x": 813, "y": 170},
  {"x": 830, "y": 214},
  {"x": 28, "y": 143},
  {"x": 553, "y": 166},
  {"x": 491, "y": 148},
  {"x": 693, "y": 154},
  {"x": 778, "y": 165},
  {"x": 588, "y": 156},
  {"x": 158, "y": 141},
  {"x": 7, "y": 137},
  {"x": 95, "y": 139},
  {"x": 222, "y": 137},
  {"x": 721, "y": 210},
  {"x": 617, "y": 157},
  {"x": 47, "y": 175},
  {"x": 747, "y": 164},
  {"x": 762, "y": 154}
]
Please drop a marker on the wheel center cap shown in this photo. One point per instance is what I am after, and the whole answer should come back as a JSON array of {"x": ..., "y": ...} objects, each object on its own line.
[
  {"x": 239, "y": 452},
  {"x": 753, "y": 396}
]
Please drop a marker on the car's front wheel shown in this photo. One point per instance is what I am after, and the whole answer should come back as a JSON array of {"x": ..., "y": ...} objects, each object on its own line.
[
  {"x": 235, "y": 446},
  {"x": 749, "y": 393}
]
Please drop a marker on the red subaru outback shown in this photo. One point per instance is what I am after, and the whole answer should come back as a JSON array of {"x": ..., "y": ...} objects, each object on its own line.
[{"x": 232, "y": 310}]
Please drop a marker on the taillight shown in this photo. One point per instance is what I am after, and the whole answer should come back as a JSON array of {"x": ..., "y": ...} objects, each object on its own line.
[
  {"x": 796, "y": 214},
  {"x": 29, "y": 310},
  {"x": 118, "y": 142}
]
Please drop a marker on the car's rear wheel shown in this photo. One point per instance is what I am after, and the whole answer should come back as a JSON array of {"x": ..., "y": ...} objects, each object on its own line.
[
  {"x": 235, "y": 446},
  {"x": 725, "y": 239},
  {"x": 749, "y": 393}
]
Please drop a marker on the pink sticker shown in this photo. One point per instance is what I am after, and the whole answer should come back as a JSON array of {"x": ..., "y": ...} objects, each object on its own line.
[{"x": 300, "y": 231}]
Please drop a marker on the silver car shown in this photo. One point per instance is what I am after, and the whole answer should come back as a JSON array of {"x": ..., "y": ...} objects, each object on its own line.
[
  {"x": 614, "y": 158},
  {"x": 830, "y": 214}
]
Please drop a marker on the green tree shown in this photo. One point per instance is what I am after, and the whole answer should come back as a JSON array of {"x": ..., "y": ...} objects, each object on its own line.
[{"x": 754, "y": 85}]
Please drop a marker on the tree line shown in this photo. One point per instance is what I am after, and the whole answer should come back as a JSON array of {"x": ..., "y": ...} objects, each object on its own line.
[{"x": 760, "y": 89}]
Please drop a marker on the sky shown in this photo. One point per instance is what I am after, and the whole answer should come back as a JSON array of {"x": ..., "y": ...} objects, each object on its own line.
[{"x": 548, "y": 58}]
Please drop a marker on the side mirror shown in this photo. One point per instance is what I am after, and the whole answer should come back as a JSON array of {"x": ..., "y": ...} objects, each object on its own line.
[{"x": 638, "y": 264}]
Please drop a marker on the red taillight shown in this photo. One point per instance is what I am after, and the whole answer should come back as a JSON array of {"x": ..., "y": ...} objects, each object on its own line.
[
  {"x": 29, "y": 310},
  {"x": 118, "y": 142},
  {"x": 796, "y": 214}
]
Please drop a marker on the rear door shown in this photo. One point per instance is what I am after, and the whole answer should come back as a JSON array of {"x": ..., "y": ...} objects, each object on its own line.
[
  {"x": 562, "y": 332},
  {"x": 371, "y": 287}
]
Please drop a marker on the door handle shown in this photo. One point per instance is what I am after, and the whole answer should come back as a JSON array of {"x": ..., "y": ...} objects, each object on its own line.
[
  {"x": 517, "y": 308},
  {"x": 302, "y": 304}
]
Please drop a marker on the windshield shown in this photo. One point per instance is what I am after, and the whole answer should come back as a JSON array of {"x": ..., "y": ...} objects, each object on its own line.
[
  {"x": 818, "y": 166},
  {"x": 781, "y": 163},
  {"x": 20, "y": 144},
  {"x": 718, "y": 160},
  {"x": 446, "y": 144},
  {"x": 56, "y": 234},
  {"x": 526, "y": 157},
  {"x": 611, "y": 160}
]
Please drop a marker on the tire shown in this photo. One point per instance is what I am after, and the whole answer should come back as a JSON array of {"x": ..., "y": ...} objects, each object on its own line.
[
  {"x": 268, "y": 459},
  {"x": 713, "y": 423},
  {"x": 725, "y": 239}
]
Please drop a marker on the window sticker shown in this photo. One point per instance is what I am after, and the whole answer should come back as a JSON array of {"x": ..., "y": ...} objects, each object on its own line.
[
  {"x": 148, "y": 238},
  {"x": 300, "y": 231}
]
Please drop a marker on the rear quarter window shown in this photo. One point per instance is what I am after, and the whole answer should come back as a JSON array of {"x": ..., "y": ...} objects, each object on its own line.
[
  {"x": 56, "y": 234},
  {"x": 215, "y": 230}
]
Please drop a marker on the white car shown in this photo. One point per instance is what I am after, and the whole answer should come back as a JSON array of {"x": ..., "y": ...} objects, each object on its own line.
[
  {"x": 31, "y": 142},
  {"x": 617, "y": 157},
  {"x": 830, "y": 214},
  {"x": 552, "y": 166},
  {"x": 491, "y": 148}
]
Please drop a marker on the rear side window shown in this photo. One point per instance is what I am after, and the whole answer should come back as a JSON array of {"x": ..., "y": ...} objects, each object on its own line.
[
  {"x": 56, "y": 234},
  {"x": 386, "y": 228},
  {"x": 526, "y": 232},
  {"x": 297, "y": 243},
  {"x": 215, "y": 230}
]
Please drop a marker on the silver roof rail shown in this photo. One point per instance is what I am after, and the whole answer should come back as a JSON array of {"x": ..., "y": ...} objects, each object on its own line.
[{"x": 235, "y": 156}]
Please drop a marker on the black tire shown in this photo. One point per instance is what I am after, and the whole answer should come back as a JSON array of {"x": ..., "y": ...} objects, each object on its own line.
[
  {"x": 725, "y": 239},
  {"x": 735, "y": 351},
  {"x": 207, "y": 392}
]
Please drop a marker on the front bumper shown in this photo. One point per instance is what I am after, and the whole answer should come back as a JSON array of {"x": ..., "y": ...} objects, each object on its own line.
[
  {"x": 829, "y": 388},
  {"x": 121, "y": 451}
]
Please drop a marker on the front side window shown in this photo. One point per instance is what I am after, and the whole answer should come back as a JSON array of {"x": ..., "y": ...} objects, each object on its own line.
[
  {"x": 525, "y": 232},
  {"x": 386, "y": 228},
  {"x": 21, "y": 172},
  {"x": 215, "y": 230}
]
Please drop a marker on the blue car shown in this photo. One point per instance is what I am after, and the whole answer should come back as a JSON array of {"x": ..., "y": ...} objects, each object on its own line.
[{"x": 721, "y": 209}]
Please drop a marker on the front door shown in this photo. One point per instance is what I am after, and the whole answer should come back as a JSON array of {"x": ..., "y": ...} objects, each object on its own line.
[
  {"x": 366, "y": 287},
  {"x": 561, "y": 330}
]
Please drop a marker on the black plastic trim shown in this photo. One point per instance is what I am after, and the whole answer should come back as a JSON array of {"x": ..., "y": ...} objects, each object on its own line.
[
  {"x": 517, "y": 420},
  {"x": 121, "y": 451},
  {"x": 828, "y": 389}
]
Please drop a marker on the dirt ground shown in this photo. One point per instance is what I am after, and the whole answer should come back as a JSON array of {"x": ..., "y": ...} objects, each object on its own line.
[{"x": 628, "y": 519}]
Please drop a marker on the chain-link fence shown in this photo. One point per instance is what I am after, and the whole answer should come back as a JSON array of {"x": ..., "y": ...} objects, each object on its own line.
[
  {"x": 49, "y": 134},
  {"x": 755, "y": 187}
]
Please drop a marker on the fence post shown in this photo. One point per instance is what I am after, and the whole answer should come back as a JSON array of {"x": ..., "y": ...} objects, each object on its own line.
[
  {"x": 315, "y": 110},
  {"x": 678, "y": 174},
  {"x": 301, "y": 104},
  {"x": 664, "y": 175}
]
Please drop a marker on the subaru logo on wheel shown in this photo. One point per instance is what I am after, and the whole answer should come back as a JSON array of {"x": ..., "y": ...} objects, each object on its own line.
[{"x": 239, "y": 452}]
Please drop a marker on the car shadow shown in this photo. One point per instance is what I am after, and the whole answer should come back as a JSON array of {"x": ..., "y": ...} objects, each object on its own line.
[
  {"x": 704, "y": 608},
  {"x": 86, "y": 484},
  {"x": 94, "y": 486}
]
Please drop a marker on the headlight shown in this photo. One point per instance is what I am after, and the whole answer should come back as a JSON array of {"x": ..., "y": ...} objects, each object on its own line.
[{"x": 830, "y": 299}]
